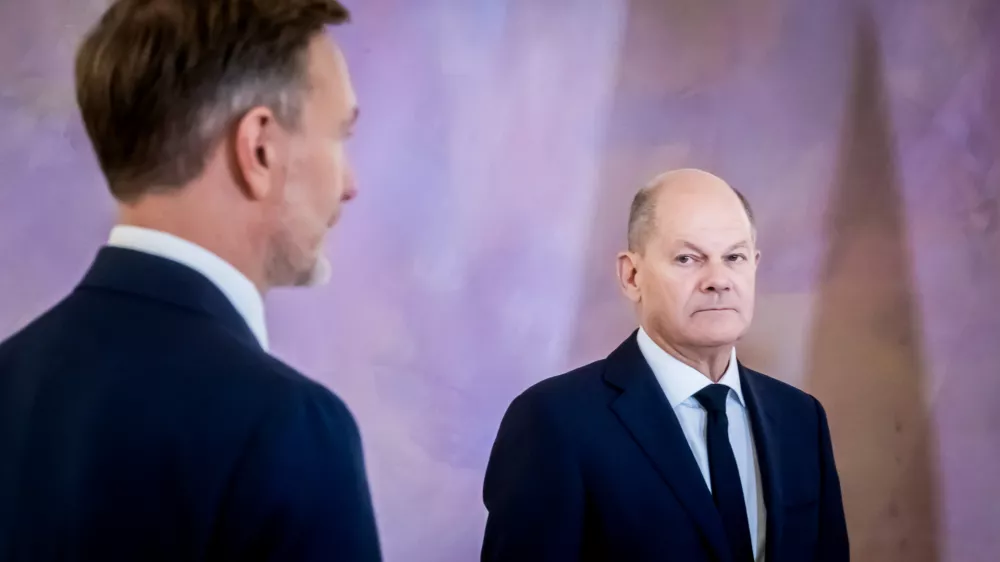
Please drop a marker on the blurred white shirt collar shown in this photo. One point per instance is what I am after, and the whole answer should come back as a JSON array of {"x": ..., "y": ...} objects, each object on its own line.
[{"x": 240, "y": 291}]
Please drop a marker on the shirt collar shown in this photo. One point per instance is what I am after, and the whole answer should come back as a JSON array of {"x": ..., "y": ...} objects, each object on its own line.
[
  {"x": 679, "y": 380},
  {"x": 240, "y": 291}
]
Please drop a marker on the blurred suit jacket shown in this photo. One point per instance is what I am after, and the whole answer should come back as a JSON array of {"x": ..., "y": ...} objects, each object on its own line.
[
  {"x": 141, "y": 420},
  {"x": 593, "y": 465}
]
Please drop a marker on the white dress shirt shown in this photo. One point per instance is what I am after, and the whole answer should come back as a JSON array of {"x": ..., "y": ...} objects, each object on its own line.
[
  {"x": 240, "y": 291},
  {"x": 680, "y": 383}
]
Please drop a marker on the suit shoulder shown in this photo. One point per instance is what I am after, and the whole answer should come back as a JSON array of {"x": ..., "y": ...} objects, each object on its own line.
[
  {"x": 577, "y": 382},
  {"x": 283, "y": 383},
  {"x": 552, "y": 410},
  {"x": 792, "y": 398},
  {"x": 773, "y": 385},
  {"x": 561, "y": 399},
  {"x": 26, "y": 333}
]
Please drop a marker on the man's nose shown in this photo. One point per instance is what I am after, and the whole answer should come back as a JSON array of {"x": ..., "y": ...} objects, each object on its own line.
[{"x": 717, "y": 279}]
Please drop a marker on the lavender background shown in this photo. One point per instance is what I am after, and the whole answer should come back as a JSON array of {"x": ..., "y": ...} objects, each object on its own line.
[{"x": 500, "y": 143}]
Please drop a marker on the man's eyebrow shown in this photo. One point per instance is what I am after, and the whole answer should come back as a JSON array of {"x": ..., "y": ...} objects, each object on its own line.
[{"x": 692, "y": 246}]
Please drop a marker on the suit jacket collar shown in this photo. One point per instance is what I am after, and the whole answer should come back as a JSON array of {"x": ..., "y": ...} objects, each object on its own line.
[
  {"x": 240, "y": 291},
  {"x": 644, "y": 410},
  {"x": 767, "y": 438},
  {"x": 148, "y": 276}
]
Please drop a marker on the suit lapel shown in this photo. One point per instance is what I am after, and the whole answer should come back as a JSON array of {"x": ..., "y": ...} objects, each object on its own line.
[
  {"x": 766, "y": 442},
  {"x": 643, "y": 409}
]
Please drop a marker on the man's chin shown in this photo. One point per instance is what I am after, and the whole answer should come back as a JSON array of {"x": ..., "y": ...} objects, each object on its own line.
[
  {"x": 320, "y": 274},
  {"x": 718, "y": 337}
]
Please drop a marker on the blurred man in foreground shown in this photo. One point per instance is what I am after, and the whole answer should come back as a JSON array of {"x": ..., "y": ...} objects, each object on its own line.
[
  {"x": 670, "y": 449},
  {"x": 142, "y": 418}
]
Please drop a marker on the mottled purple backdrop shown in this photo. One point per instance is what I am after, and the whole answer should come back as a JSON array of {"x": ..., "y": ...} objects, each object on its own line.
[{"x": 499, "y": 145}]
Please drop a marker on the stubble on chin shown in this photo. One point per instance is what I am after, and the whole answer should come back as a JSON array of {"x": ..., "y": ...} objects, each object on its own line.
[{"x": 320, "y": 273}]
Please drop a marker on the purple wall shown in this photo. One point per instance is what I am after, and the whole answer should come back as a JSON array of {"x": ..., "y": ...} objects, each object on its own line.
[{"x": 499, "y": 146}]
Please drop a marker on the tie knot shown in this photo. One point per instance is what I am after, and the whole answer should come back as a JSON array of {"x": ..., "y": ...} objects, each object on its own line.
[{"x": 713, "y": 398}]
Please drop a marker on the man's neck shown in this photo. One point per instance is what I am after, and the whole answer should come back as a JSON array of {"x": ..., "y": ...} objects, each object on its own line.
[
  {"x": 711, "y": 361},
  {"x": 198, "y": 230}
]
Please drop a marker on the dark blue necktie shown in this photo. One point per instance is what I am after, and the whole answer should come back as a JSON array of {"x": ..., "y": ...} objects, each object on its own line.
[{"x": 727, "y": 489}]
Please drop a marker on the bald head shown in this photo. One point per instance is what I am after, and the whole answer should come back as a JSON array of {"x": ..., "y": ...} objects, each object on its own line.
[
  {"x": 679, "y": 193},
  {"x": 691, "y": 268}
]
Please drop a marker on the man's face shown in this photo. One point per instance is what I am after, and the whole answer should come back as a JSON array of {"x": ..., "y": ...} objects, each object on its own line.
[
  {"x": 318, "y": 177},
  {"x": 694, "y": 278}
]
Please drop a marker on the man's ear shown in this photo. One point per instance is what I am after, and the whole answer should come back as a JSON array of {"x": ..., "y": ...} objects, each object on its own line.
[
  {"x": 259, "y": 144},
  {"x": 628, "y": 273}
]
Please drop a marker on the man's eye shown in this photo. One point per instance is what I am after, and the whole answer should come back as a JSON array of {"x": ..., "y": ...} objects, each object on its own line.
[
  {"x": 737, "y": 257},
  {"x": 684, "y": 260}
]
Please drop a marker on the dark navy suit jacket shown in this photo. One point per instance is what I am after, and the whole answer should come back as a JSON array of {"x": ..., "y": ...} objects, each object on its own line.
[
  {"x": 140, "y": 420},
  {"x": 593, "y": 465}
]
